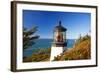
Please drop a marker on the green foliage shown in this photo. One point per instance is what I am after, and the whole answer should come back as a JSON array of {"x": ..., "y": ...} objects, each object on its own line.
[
  {"x": 81, "y": 39},
  {"x": 29, "y": 37},
  {"x": 41, "y": 55},
  {"x": 68, "y": 58},
  {"x": 81, "y": 50},
  {"x": 57, "y": 58},
  {"x": 45, "y": 50}
]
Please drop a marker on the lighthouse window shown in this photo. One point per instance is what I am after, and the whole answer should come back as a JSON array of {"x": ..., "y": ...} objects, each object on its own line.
[{"x": 59, "y": 37}]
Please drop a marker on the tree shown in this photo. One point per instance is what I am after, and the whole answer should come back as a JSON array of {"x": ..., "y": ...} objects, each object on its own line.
[{"x": 29, "y": 37}]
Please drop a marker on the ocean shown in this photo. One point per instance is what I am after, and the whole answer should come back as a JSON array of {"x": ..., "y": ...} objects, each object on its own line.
[{"x": 44, "y": 44}]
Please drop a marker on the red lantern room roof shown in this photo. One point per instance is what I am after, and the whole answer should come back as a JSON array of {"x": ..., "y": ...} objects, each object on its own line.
[{"x": 60, "y": 27}]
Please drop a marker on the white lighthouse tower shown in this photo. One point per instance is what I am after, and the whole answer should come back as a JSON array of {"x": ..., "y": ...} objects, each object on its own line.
[{"x": 59, "y": 41}]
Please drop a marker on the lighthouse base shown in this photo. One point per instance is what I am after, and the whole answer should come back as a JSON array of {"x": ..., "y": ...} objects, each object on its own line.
[{"x": 56, "y": 51}]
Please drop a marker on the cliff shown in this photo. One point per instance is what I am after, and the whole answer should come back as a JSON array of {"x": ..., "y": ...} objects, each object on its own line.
[{"x": 81, "y": 50}]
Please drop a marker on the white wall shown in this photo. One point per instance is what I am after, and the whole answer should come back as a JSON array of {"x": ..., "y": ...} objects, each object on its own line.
[{"x": 5, "y": 37}]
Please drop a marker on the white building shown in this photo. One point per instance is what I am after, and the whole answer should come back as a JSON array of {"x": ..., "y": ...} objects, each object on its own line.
[{"x": 59, "y": 41}]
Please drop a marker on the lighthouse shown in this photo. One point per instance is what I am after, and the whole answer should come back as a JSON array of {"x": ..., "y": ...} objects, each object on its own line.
[{"x": 59, "y": 41}]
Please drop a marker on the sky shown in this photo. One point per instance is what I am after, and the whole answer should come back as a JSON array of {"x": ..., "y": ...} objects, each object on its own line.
[{"x": 76, "y": 23}]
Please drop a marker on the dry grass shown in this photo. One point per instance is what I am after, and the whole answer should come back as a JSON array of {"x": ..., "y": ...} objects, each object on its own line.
[
  {"x": 81, "y": 50},
  {"x": 41, "y": 55}
]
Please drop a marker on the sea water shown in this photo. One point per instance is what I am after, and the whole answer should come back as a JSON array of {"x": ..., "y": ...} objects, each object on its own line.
[{"x": 44, "y": 44}]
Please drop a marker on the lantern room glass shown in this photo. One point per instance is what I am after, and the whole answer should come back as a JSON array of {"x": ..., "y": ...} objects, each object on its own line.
[{"x": 59, "y": 36}]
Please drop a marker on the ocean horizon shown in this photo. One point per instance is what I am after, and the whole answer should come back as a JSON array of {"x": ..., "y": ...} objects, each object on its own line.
[{"x": 44, "y": 44}]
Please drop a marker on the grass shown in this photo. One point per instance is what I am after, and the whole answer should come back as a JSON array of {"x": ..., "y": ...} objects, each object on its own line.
[
  {"x": 41, "y": 55},
  {"x": 81, "y": 50}
]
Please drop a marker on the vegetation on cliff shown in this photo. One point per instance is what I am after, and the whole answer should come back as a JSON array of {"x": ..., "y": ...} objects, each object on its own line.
[
  {"x": 41, "y": 55},
  {"x": 81, "y": 50}
]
